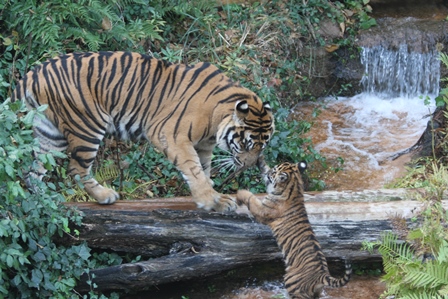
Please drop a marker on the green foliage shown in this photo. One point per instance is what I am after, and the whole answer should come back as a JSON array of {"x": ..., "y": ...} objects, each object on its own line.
[
  {"x": 408, "y": 275},
  {"x": 146, "y": 164},
  {"x": 31, "y": 264},
  {"x": 371, "y": 269},
  {"x": 442, "y": 101},
  {"x": 33, "y": 31},
  {"x": 418, "y": 267}
]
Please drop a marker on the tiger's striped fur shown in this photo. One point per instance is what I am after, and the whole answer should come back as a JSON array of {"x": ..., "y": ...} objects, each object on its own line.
[
  {"x": 184, "y": 111},
  {"x": 283, "y": 210}
]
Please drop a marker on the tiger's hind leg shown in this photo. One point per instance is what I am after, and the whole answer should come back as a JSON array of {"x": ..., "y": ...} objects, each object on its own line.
[
  {"x": 83, "y": 154},
  {"x": 50, "y": 139}
]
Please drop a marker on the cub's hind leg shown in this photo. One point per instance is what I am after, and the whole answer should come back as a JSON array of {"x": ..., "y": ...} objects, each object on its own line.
[{"x": 83, "y": 150}]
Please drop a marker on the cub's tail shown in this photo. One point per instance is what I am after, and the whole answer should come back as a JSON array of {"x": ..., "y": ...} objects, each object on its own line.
[{"x": 339, "y": 282}]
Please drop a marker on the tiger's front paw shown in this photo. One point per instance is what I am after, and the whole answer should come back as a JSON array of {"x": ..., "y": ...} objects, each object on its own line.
[
  {"x": 216, "y": 202},
  {"x": 104, "y": 196},
  {"x": 225, "y": 204}
]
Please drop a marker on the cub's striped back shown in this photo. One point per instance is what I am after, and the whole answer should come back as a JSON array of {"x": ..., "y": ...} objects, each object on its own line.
[
  {"x": 185, "y": 111},
  {"x": 283, "y": 210}
]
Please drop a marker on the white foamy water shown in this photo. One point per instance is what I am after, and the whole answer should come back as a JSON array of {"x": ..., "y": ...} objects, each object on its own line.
[
  {"x": 368, "y": 132},
  {"x": 371, "y": 129}
]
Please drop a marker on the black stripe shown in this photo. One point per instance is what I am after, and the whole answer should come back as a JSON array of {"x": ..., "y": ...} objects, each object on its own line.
[{"x": 203, "y": 84}]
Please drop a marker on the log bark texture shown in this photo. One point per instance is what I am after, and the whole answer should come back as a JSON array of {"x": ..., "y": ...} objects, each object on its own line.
[{"x": 179, "y": 242}]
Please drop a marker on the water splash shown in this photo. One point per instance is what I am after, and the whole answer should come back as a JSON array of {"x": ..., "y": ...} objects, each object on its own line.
[
  {"x": 400, "y": 73},
  {"x": 370, "y": 130}
]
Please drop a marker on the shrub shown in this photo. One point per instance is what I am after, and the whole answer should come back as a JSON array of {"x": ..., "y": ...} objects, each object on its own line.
[{"x": 31, "y": 264}]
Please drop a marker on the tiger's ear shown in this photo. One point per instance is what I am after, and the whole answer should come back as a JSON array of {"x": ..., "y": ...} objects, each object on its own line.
[
  {"x": 267, "y": 106},
  {"x": 242, "y": 107},
  {"x": 302, "y": 166},
  {"x": 241, "y": 111}
]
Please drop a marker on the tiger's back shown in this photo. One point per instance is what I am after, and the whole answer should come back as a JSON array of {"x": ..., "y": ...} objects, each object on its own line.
[
  {"x": 283, "y": 210},
  {"x": 114, "y": 91},
  {"x": 185, "y": 111}
]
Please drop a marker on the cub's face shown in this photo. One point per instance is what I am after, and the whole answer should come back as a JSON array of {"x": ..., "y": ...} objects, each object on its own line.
[
  {"x": 277, "y": 178},
  {"x": 285, "y": 176},
  {"x": 248, "y": 133}
]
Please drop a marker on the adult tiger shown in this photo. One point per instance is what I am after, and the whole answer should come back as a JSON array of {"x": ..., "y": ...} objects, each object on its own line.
[
  {"x": 283, "y": 210},
  {"x": 185, "y": 111}
]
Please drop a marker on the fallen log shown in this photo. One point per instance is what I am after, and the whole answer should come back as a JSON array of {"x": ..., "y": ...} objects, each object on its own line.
[{"x": 179, "y": 242}]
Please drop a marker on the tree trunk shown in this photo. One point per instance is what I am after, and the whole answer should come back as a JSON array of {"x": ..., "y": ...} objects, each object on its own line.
[{"x": 183, "y": 242}]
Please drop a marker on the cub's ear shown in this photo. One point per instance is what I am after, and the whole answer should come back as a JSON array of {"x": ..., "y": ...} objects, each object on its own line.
[{"x": 302, "y": 166}]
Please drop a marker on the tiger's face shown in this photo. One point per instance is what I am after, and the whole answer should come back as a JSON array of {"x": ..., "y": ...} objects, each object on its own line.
[{"x": 247, "y": 133}]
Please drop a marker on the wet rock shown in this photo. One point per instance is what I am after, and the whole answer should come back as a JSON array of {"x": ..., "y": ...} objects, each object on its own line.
[
  {"x": 340, "y": 72},
  {"x": 419, "y": 35}
]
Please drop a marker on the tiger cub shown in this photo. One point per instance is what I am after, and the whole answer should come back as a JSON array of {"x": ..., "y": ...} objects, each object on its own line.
[
  {"x": 184, "y": 111},
  {"x": 283, "y": 210}
]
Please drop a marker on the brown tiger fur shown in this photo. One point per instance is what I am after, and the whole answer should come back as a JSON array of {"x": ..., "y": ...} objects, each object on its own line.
[
  {"x": 184, "y": 111},
  {"x": 283, "y": 210}
]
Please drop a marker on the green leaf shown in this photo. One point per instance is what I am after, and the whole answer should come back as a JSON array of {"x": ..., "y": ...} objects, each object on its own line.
[
  {"x": 440, "y": 101},
  {"x": 10, "y": 171},
  {"x": 29, "y": 117},
  {"x": 9, "y": 261},
  {"x": 83, "y": 252},
  {"x": 36, "y": 276}
]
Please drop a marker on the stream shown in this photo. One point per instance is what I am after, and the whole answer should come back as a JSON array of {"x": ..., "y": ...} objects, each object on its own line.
[{"x": 370, "y": 133}]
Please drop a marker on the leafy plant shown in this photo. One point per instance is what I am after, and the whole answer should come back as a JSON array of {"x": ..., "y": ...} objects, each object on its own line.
[
  {"x": 418, "y": 266},
  {"x": 31, "y": 264},
  {"x": 33, "y": 31}
]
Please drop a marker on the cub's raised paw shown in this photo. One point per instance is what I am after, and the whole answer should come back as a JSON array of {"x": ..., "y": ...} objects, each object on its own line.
[{"x": 242, "y": 197}]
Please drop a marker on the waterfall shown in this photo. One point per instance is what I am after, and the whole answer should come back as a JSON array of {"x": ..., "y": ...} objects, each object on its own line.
[
  {"x": 370, "y": 130},
  {"x": 400, "y": 73}
]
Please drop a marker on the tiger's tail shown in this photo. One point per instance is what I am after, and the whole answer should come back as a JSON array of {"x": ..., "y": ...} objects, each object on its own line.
[{"x": 339, "y": 282}]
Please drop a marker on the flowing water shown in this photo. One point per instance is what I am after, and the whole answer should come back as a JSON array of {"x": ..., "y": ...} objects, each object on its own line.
[{"x": 372, "y": 130}]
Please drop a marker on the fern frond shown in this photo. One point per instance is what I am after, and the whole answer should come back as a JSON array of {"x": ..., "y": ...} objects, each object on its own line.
[
  {"x": 431, "y": 275},
  {"x": 444, "y": 291},
  {"x": 442, "y": 255},
  {"x": 423, "y": 295},
  {"x": 392, "y": 247},
  {"x": 107, "y": 173}
]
